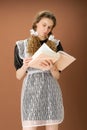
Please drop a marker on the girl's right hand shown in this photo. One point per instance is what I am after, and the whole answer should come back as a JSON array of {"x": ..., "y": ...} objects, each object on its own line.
[
  {"x": 21, "y": 71},
  {"x": 26, "y": 62}
]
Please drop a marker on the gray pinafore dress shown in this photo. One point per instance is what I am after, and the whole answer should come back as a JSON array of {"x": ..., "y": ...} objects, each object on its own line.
[{"x": 41, "y": 96}]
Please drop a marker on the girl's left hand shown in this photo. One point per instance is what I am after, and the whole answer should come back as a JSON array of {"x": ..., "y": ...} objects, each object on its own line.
[
  {"x": 55, "y": 72},
  {"x": 46, "y": 64},
  {"x": 49, "y": 65}
]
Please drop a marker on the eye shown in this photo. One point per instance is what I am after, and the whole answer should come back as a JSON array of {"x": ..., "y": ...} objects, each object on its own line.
[
  {"x": 44, "y": 25},
  {"x": 50, "y": 27}
]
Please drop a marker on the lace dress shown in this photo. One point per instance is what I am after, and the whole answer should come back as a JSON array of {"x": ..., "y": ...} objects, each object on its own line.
[{"x": 41, "y": 96}]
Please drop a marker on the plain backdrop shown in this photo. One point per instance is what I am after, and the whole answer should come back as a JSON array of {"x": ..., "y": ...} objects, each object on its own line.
[{"x": 15, "y": 22}]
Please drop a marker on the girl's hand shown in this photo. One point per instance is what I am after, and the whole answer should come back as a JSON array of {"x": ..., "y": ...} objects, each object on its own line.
[
  {"x": 46, "y": 64},
  {"x": 26, "y": 62},
  {"x": 22, "y": 71},
  {"x": 55, "y": 72},
  {"x": 49, "y": 65}
]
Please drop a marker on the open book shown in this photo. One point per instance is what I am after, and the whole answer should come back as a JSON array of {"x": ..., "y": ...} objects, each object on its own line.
[{"x": 61, "y": 58}]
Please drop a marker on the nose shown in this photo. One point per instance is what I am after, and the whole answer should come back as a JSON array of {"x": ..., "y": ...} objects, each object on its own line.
[{"x": 46, "y": 30}]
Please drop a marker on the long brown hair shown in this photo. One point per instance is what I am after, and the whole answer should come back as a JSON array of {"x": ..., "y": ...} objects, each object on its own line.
[{"x": 34, "y": 41}]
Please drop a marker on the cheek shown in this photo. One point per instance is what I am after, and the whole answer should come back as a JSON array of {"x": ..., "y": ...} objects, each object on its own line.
[
  {"x": 38, "y": 27},
  {"x": 38, "y": 30}
]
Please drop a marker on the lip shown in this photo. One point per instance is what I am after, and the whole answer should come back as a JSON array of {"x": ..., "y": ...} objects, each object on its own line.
[{"x": 45, "y": 33}]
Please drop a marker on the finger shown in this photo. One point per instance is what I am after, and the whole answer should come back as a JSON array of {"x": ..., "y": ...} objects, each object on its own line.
[
  {"x": 48, "y": 62},
  {"x": 44, "y": 63},
  {"x": 27, "y": 60}
]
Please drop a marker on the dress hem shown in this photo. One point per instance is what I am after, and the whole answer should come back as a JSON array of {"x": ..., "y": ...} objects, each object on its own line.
[{"x": 38, "y": 125}]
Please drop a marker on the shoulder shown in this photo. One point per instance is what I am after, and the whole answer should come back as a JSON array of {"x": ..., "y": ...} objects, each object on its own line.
[
  {"x": 57, "y": 42},
  {"x": 22, "y": 46},
  {"x": 22, "y": 42},
  {"x": 59, "y": 46},
  {"x": 53, "y": 39}
]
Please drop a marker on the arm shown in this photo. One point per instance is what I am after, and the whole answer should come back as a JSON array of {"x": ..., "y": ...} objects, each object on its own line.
[
  {"x": 20, "y": 64},
  {"x": 22, "y": 71},
  {"x": 54, "y": 70}
]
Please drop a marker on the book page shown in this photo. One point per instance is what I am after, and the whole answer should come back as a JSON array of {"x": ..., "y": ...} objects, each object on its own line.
[
  {"x": 65, "y": 60},
  {"x": 47, "y": 51}
]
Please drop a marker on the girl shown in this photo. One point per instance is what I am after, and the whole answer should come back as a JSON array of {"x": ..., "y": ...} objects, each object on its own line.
[{"x": 41, "y": 97}]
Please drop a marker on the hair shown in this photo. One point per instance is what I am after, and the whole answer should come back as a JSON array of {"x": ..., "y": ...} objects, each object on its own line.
[{"x": 34, "y": 41}]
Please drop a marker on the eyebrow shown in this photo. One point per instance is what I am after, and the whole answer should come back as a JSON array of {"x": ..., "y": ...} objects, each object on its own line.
[{"x": 46, "y": 23}]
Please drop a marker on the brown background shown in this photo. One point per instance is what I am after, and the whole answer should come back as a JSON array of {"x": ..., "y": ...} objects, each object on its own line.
[{"x": 15, "y": 22}]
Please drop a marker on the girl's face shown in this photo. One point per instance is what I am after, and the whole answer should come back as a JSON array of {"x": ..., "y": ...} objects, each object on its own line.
[{"x": 44, "y": 27}]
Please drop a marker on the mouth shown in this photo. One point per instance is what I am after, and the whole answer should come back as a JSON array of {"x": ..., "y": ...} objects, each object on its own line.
[{"x": 45, "y": 33}]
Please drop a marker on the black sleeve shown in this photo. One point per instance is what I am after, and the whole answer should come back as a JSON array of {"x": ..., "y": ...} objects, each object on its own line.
[
  {"x": 59, "y": 47},
  {"x": 18, "y": 62}
]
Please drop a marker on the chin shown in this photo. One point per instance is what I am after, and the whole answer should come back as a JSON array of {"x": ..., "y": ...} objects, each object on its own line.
[{"x": 43, "y": 36}]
